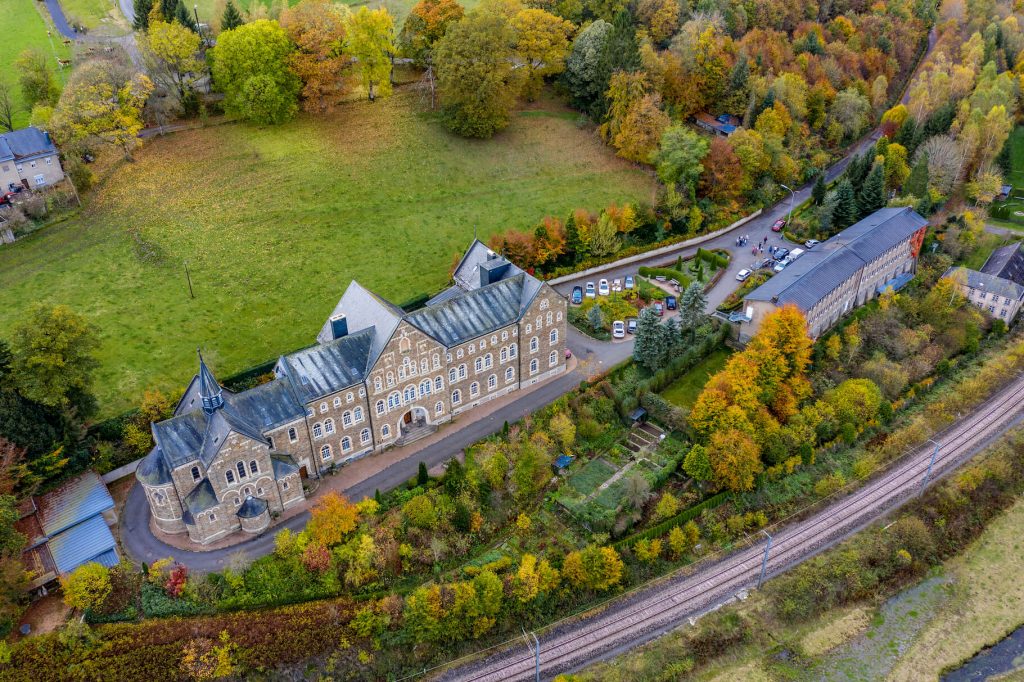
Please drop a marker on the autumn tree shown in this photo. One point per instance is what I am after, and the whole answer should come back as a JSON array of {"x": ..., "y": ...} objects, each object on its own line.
[
  {"x": 735, "y": 459},
  {"x": 593, "y": 568},
  {"x": 371, "y": 41},
  {"x": 331, "y": 519},
  {"x": 659, "y": 17},
  {"x": 251, "y": 66},
  {"x": 171, "y": 53},
  {"x": 476, "y": 77},
  {"x": 722, "y": 178},
  {"x": 542, "y": 43},
  {"x": 855, "y": 401},
  {"x": 317, "y": 27},
  {"x": 53, "y": 357},
  {"x": 87, "y": 586},
  {"x": 683, "y": 539},
  {"x": 426, "y": 24},
  {"x": 36, "y": 78}
]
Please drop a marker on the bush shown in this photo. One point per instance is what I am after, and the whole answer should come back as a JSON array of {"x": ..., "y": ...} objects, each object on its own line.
[
  {"x": 829, "y": 484},
  {"x": 669, "y": 273}
]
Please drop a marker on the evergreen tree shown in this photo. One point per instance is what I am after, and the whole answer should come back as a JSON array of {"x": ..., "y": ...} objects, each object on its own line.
[
  {"x": 232, "y": 18},
  {"x": 168, "y": 8},
  {"x": 422, "y": 477},
  {"x": 819, "y": 190},
  {"x": 917, "y": 181},
  {"x": 573, "y": 244},
  {"x": 692, "y": 305},
  {"x": 142, "y": 9},
  {"x": 184, "y": 17},
  {"x": 872, "y": 194},
  {"x": 621, "y": 52},
  {"x": 595, "y": 317},
  {"x": 650, "y": 346},
  {"x": 845, "y": 212},
  {"x": 859, "y": 168}
]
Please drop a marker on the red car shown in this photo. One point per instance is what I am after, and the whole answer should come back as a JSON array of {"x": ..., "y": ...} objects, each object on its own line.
[
  {"x": 778, "y": 225},
  {"x": 8, "y": 198},
  {"x": 659, "y": 308}
]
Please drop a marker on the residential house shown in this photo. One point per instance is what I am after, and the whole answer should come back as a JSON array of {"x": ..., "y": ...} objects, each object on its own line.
[
  {"x": 998, "y": 288},
  {"x": 29, "y": 159}
]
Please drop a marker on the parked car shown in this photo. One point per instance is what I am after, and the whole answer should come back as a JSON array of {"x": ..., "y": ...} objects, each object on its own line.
[
  {"x": 743, "y": 274},
  {"x": 778, "y": 225},
  {"x": 781, "y": 265},
  {"x": 602, "y": 288},
  {"x": 616, "y": 285},
  {"x": 577, "y": 295},
  {"x": 631, "y": 325},
  {"x": 794, "y": 254},
  {"x": 765, "y": 263},
  {"x": 781, "y": 253},
  {"x": 590, "y": 290},
  {"x": 629, "y": 282},
  {"x": 8, "y": 198},
  {"x": 670, "y": 302},
  {"x": 811, "y": 243},
  {"x": 618, "y": 329},
  {"x": 659, "y": 308}
]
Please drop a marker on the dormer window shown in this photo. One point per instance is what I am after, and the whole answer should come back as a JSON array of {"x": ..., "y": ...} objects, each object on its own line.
[{"x": 195, "y": 474}]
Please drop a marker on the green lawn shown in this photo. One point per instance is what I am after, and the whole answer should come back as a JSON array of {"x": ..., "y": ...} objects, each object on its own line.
[
  {"x": 27, "y": 17},
  {"x": 592, "y": 474},
  {"x": 1016, "y": 141},
  {"x": 684, "y": 390},
  {"x": 96, "y": 15},
  {"x": 275, "y": 222}
]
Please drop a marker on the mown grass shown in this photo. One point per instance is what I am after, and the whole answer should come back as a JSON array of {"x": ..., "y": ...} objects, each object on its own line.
[
  {"x": 23, "y": 27},
  {"x": 96, "y": 14},
  {"x": 590, "y": 476},
  {"x": 684, "y": 390},
  {"x": 275, "y": 222}
]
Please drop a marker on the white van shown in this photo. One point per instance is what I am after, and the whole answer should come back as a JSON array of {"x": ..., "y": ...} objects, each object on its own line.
[{"x": 794, "y": 254}]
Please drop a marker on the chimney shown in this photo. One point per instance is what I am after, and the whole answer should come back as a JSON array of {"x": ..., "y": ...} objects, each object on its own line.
[
  {"x": 339, "y": 326},
  {"x": 48, "y": 140}
]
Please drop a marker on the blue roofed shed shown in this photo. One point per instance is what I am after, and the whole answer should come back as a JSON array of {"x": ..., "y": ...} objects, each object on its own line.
[
  {"x": 90, "y": 540},
  {"x": 562, "y": 461}
]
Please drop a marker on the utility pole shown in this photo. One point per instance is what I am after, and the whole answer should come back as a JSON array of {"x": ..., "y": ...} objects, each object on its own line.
[
  {"x": 792, "y": 200},
  {"x": 764, "y": 561},
  {"x": 928, "y": 473},
  {"x": 535, "y": 650},
  {"x": 189, "y": 278}
]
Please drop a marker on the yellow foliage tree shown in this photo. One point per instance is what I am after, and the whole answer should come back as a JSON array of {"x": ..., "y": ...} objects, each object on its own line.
[
  {"x": 332, "y": 518},
  {"x": 87, "y": 586},
  {"x": 542, "y": 43},
  {"x": 735, "y": 459}
]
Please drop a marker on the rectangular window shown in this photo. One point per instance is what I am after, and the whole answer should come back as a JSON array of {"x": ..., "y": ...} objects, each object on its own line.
[
  {"x": 48, "y": 161},
  {"x": 40, "y": 180}
]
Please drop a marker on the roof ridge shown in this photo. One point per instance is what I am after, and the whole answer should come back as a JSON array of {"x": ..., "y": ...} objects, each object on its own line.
[{"x": 470, "y": 293}]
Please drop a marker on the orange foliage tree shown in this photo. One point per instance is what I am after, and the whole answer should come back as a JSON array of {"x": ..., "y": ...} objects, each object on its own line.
[{"x": 333, "y": 517}]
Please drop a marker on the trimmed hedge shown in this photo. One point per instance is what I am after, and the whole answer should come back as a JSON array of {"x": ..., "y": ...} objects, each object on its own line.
[
  {"x": 670, "y": 273},
  {"x": 679, "y": 519}
]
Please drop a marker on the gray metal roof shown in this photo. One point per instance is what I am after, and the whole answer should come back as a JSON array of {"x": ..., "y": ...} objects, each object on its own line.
[
  {"x": 88, "y": 541},
  {"x": 74, "y": 501},
  {"x": 252, "y": 508},
  {"x": 816, "y": 273},
  {"x": 448, "y": 294},
  {"x": 474, "y": 313},
  {"x": 328, "y": 367},
  {"x": 25, "y": 143},
  {"x": 201, "y": 498},
  {"x": 982, "y": 281},
  {"x": 1006, "y": 262}
]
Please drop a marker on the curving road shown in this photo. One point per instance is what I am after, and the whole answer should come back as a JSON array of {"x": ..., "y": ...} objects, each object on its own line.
[{"x": 651, "y": 612}]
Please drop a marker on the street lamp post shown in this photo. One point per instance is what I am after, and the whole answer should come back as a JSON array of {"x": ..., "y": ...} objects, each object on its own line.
[
  {"x": 764, "y": 561},
  {"x": 792, "y": 200},
  {"x": 199, "y": 29}
]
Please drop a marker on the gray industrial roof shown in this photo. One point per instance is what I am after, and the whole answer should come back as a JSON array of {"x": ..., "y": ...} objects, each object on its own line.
[
  {"x": 283, "y": 465},
  {"x": 74, "y": 501},
  {"x": 982, "y": 281},
  {"x": 1006, "y": 262},
  {"x": 816, "y": 273},
  {"x": 329, "y": 367},
  {"x": 88, "y": 541},
  {"x": 474, "y": 313}
]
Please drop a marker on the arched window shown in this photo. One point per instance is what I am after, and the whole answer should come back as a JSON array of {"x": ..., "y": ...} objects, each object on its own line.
[
  {"x": 533, "y": 366},
  {"x": 425, "y": 387},
  {"x": 329, "y": 425},
  {"x": 559, "y": 316},
  {"x": 509, "y": 374},
  {"x": 293, "y": 435},
  {"x": 357, "y": 414},
  {"x": 553, "y": 336},
  {"x": 346, "y": 419},
  {"x": 241, "y": 470},
  {"x": 503, "y": 356},
  {"x": 529, "y": 329},
  {"x": 437, "y": 361},
  {"x": 325, "y": 452},
  {"x": 438, "y": 407},
  {"x": 349, "y": 397},
  {"x": 456, "y": 397},
  {"x": 553, "y": 358},
  {"x": 380, "y": 407},
  {"x": 547, "y": 319},
  {"x": 534, "y": 345},
  {"x": 377, "y": 384},
  {"x": 478, "y": 364},
  {"x": 504, "y": 336},
  {"x": 404, "y": 345},
  {"x": 391, "y": 379},
  {"x": 253, "y": 467},
  {"x": 195, "y": 474},
  {"x": 492, "y": 382},
  {"x": 394, "y": 400},
  {"x": 424, "y": 365},
  {"x": 438, "y": 383},
  {"x": 488, "y": 361},
  {"x": 364, "y": 436},
  {"x": 318, "y": 430},
  {"x": 410, "y": 394},
  {"x": 494, "y": 339},
  {"x": 462, "y": 372},
  {"x": 385, "y": 431},
  {"x": 513, "y": 350},
  {"x": 474, "y": 389},
  {"x": 346, "y": 444},
  {"x": 229, "y": 476},
  {"x": 337, "y": 400},
  {"x": 451, "y": 376}
]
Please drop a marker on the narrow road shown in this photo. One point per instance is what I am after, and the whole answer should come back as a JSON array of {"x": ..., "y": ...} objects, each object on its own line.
[{"x": 647, "y": 614}]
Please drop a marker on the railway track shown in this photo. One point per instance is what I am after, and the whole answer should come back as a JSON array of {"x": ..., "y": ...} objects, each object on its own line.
[{"x": 662, "y": 607}]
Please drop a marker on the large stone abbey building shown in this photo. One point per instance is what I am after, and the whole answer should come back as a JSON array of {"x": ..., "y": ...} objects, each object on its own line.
[{"x": 376, "y": 378}]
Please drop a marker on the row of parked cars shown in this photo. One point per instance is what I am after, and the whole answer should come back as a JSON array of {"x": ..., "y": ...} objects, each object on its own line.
[{"x": 603, "y": 288}]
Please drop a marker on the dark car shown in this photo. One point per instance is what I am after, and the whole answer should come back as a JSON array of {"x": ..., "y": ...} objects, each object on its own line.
[
  {"x": 780, "y": 253},
  {"x": 577, "y": 295},
  {"x": 631, "y": 325},
  {"x": 670, "y": 302},
  {"x": 778, "y": 225},
  {"x": 659, "y": 308}
]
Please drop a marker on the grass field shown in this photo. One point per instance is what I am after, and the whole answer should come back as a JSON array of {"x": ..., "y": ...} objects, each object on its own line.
[
  {"x": 27, "y": 18},
  {"x": 96, "y": 15},
  {"x": 592, "y": 474},
  {"x": 684, "y": 390},
  {"x": 275, "y": 222}
]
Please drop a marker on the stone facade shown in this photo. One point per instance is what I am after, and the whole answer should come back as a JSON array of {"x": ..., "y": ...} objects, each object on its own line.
[
  {"x": 378, "y": 378},
  {"x": 29, "y": 159}
]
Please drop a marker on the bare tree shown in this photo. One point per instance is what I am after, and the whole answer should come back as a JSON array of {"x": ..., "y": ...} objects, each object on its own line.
[
  {"x": 945, "y": 160},
  {"x": 7, "y": 107}
]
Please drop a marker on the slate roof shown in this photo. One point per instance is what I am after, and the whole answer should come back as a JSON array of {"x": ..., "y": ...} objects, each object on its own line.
[
  {"x": 818, "y": 272},
  {"x": 200, "y": 499},
  {"x": 283, "y": 465},
  {"x": 474, "y": 313},
  {"x": 88, "y": 541},
  {"x": 252, "y": 508},
  {"x": 73, "y": 502},
  {"x": 982, "y": 281},
  {"x": 1006, "y": 262},
  {"x": 153, "y": 469},
  {"x": 364, "y": 309},
  {"x": 25, "y": 143},
  {"x": 328, "y": 367}
]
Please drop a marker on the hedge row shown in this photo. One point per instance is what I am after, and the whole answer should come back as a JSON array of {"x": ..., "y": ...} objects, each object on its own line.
[
  {"x": 716, "y": 257},
  {"x": 679, "y": 519},
  {"x": 669, "y": 273}
]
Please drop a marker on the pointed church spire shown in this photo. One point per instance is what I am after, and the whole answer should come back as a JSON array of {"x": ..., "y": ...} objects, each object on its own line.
[{"x": 209, "y": 390}]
